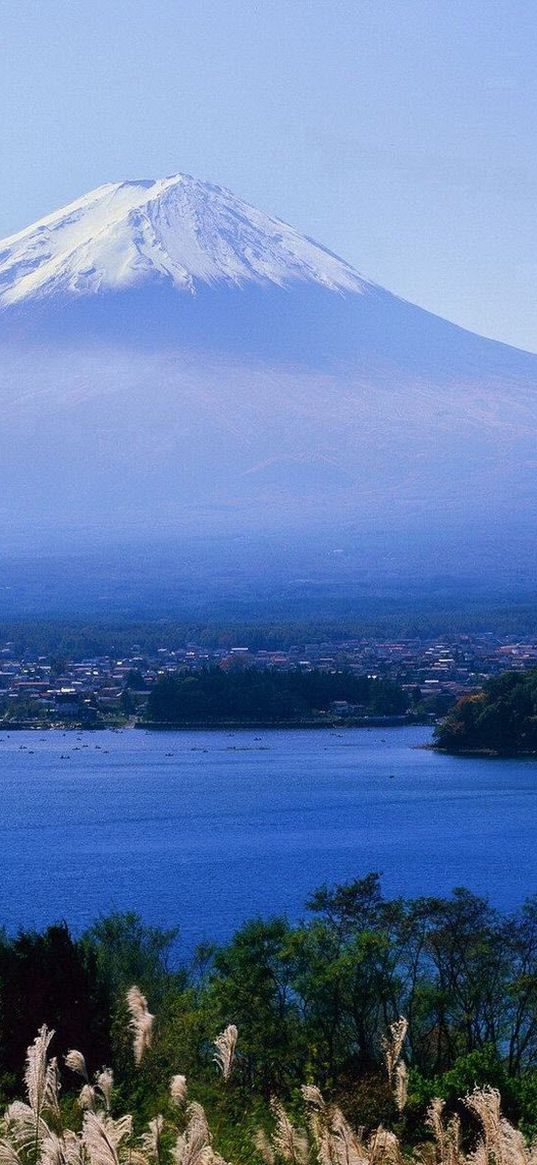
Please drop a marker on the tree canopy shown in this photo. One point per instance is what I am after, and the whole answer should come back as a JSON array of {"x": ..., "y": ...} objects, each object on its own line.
[
  {"x": 501, "y": 719},
  {"x": 269, "y": 695},
  {"x": 311, "y": 999}
]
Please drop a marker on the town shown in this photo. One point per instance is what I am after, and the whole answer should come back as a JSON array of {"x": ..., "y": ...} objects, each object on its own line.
[{"x": 113, "y": 690}]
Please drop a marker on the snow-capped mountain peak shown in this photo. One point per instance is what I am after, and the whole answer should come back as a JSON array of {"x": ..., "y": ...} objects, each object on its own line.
[{"x": 177, "y": 229}]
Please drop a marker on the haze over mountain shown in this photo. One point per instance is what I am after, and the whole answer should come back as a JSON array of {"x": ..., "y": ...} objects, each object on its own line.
[{"x": 177, "y": 364}]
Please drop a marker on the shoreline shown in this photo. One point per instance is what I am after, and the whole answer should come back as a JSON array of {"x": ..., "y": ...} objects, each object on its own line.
[
  {"x": 483, "y": 753},
  {"x": 221, "y": 726},
  {"x": 248, "y": 725}
]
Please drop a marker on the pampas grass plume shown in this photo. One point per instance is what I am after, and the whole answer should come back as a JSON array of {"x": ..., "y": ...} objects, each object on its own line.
[
  {"x": 264, "y": 1147},
  {"x": 86, "y": 1098},
  {"x": 105, "y": 1083},
  {"x": 313, "y": 1095},
  {"x": 401, "y": 1085},
  {"x": 8, "y": 1153},
  {"x": 35, "y": 1075},
  {"x": 76, "y": 1062},
  {"x": 291, "y": 1144},
  {"x": 102, "y": 1136},
  {"x": 151, "y": 1141},
  {"x": 225, "y": 1045},
  {"x": 392, "y": 1044},
  {"x": 141, "y": 1022},
  {"x": 178, "y": 1089},
  {"x": 193, "y": 1147}
]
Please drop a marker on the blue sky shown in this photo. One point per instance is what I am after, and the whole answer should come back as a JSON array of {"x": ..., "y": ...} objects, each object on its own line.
[{"x": 400, "y": 133}]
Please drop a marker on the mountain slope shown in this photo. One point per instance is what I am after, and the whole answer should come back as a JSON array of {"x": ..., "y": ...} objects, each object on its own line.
[
  {"x": 174, "y": 362},
  {"x": 180, "y": 229}
]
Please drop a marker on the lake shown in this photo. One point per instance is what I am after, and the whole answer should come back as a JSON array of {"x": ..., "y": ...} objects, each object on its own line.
[{"x": 205, "y": 829}]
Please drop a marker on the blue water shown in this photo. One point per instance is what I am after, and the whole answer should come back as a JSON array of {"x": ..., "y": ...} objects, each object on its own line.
[{"x": 203, "y": 830}]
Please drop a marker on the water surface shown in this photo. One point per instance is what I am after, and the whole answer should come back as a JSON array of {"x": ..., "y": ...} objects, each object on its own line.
[{"x": 203, "y": 830}]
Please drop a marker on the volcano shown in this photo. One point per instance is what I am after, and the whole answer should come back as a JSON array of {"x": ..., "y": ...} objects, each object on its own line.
[{"x": 176, "y": 363}]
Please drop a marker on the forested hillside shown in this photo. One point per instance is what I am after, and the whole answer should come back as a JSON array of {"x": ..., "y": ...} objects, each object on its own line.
[{"x": 501, "y": 719}]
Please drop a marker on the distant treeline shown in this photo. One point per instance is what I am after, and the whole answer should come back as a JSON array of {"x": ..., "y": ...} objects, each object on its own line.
[
  {"x": 311, "y": 1001},
  {"x": 76, "y": 638},
  {"x": 501, "y": 719},
  {"x": 214, "y": 695}
]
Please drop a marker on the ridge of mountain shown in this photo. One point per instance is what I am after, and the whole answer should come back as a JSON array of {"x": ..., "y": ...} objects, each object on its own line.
[{"x": 177, "y": 229}]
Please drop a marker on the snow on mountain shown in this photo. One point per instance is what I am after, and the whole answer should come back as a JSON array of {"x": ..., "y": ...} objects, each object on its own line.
[
  {"x": 177, "y": 229},
  {"x": 173, "y": 360}
]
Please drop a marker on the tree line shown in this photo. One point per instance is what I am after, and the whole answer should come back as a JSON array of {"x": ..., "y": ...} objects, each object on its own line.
[
  {"x": 410, "y": 617},
  {"x": 312, "y": 1001}
]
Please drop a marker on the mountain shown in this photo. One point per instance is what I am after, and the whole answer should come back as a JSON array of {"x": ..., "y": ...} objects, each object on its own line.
[
  {"x": 175, "y": 364},
  {"x": 187, "y": 232}
]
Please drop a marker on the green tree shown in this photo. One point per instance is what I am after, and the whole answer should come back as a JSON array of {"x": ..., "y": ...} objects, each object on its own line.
[{"x": 252, "y": 987}]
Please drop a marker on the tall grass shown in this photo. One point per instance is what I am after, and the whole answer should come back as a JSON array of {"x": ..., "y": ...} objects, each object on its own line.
[{"x": 36, "y": 1130}]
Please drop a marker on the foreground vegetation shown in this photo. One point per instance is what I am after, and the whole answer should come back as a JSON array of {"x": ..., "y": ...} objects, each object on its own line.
[
  {"x": 312, "y": 1004},
  {"x": 502, "y": 719},
  {"x": 36, "y": 1130}
]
